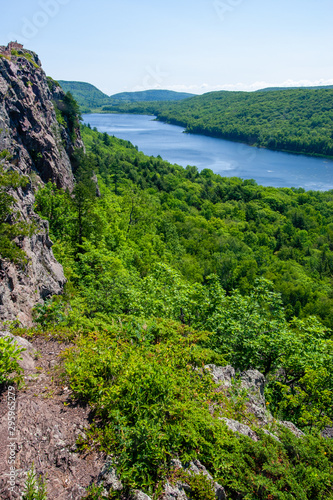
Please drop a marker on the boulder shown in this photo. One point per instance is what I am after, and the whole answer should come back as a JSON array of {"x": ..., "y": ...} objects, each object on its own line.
[
  {"x": 108, "y": 477},
  {"x": 139, "y": 495},
  {"x": 243, "y": 429},
  {"x": 222, "y": 375},
  {"x": 292, "y": 427},
  {"x": 182, "y": 491},
  {"x": 252, "y": 381}
]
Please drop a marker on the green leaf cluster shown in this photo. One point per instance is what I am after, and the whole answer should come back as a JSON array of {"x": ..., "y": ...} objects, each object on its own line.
[
  {"x": 295, "y": 120},
  {"x": 10, "y": 354},
  {"x": 157, "y": 256},
  {"x": 11, "y": 227},
  {"x": 35, "y": 486},
  {"x": 154, "y": 402}
]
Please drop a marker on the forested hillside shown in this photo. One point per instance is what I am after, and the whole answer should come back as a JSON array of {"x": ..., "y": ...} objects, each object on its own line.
[
  {"x": 150, "y": 95},
  {"x": 87, "y": 96},
  {"x": 295, "y": 120},
  {"x": 167, "y": 334},
  {"x": 91, "y": 99},
  {"x": 201, "y": 223},
  {"x": 171, "y": 270}
]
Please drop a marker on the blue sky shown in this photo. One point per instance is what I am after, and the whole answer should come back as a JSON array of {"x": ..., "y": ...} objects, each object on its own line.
[{"x": 186, "y": 45}]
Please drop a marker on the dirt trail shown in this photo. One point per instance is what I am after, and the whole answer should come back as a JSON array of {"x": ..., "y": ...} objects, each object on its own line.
[{"x": 47, "y": 425}]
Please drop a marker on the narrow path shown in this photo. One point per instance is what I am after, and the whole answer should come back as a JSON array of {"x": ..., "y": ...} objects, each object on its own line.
[{"x": 47, "y": 425}]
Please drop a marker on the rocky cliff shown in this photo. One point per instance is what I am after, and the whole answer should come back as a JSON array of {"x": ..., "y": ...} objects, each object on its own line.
[{"x": 40, "y": 144}]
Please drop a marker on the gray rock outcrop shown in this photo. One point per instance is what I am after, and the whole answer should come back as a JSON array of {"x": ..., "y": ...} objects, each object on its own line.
[
  {"x": 243, "y": 429},
  {"x": 222, "y": 375},
  {"x": 251, "y": 380},
  {"x": 182, "y": 491},
  {"x": 139, "y": 495},
  {"x": 254, "y": 384},
  {"x": 40, "y": 148},
  {"x": 108, "y": 477},
  {"x": 292, "y": 427}
]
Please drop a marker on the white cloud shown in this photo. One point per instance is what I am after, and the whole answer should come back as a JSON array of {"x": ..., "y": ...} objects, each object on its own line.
[{"x": 205, "y": 87}]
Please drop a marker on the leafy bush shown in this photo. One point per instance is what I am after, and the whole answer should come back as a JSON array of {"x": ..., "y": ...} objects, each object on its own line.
[
  {"x": 154, "y": 402},
  {"x": 10, "y": 354},
  {"x": 35, "y": 486},
  {"x": 11, "y": 227}
]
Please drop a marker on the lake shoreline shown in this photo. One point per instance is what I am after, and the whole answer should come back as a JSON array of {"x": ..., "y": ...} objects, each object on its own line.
[
  {"x": 208, "y": 134},
  {"x": 228, "y": 158}
]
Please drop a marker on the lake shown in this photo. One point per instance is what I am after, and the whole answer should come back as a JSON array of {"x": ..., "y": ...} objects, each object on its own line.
[{"x": 268, "y": 168}]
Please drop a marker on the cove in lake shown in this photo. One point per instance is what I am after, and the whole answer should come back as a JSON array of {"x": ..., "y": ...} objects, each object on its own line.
[{"x": 229, "y": 159}]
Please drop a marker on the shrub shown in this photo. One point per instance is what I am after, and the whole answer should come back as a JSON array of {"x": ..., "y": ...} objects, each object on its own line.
[
  {"x": 154, "y": 402},
  {"x": 10, "y": 354},
  {"x": 35, "y": 486}
]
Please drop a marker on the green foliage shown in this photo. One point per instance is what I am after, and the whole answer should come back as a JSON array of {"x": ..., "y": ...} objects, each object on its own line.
[
  {"x": 67, "y": 112},
  {"x": 90, "y": 98},
  {"x": 10, "y": 354},
  {"x": 35, "y": 487},
  {"x": 162, "y": 256},
  {"x": 49, "y": 313},
  {"x": 11, "y": 227},
  {"x": 198, "y": 249},
  {"x": 87, "y": 96},
  {"x": 296, "y": 120},
  {"x": 202, "y": 488},
  {"x": 153, "y": 401},
  {"x": 52, "y": 84},
  {"x": 201, "y": 224},
  {"x": 150, "y": 96},
  {"x": 95, "y": 493}
]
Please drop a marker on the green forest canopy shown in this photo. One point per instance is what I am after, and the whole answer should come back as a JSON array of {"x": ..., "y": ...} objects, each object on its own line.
[
  {"x": 171, "y": 269},
  {"x": 91, "y": 98},
  {"x": 295, "y": 120}
]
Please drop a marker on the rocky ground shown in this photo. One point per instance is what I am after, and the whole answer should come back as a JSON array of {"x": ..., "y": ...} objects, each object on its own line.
[{"x": 47, "y": 426}]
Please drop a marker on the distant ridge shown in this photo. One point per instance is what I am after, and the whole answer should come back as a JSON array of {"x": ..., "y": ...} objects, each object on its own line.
[
  {"x": 268, "y": 89},
  {"x": 88, "y": 96},
  {"x": 91, "y": 98},
  {"x": 151, "y": 95}
]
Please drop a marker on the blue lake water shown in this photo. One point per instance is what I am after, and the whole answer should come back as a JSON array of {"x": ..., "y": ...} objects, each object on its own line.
[{"x": 268, "y": 168}]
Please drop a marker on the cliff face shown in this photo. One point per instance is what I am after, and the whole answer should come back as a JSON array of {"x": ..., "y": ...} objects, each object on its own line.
[{"x": 38, "y": 147}]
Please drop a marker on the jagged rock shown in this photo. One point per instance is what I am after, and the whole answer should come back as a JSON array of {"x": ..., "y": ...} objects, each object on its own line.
[
  {"x": 181, "y": 490},
  {"x": 40, "y": 148},
  {"x": 243, "y": 429},
  {"x": 252, "y": 381},
  {"x": 197, "y": 468},
  {"x": 174, "y": 492},
  {"x": 271, "y": 434},
  {"x": 327, "y": 432},
  {"x": 108, "y": 477},
  {"x": 27, "y": 362},
  {"x": 139, "y": 495},
  {"x": 292, "y": 427},
  {"x": 95, "y": 181},
  {"x": 29, "y": 127},
  {"x": 222, "y": 374}
]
